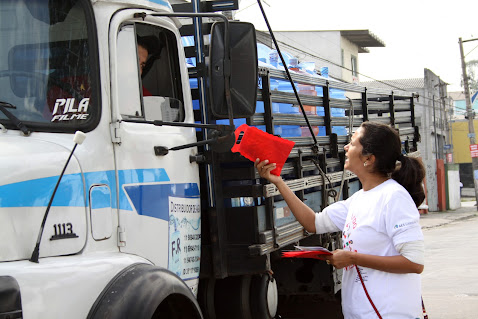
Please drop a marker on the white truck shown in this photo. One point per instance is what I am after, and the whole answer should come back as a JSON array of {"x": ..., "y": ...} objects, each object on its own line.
[{"x": 152, "y": 216}]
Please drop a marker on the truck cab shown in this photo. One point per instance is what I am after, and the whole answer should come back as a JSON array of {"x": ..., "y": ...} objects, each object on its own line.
[{"x": 74, "y": 65}]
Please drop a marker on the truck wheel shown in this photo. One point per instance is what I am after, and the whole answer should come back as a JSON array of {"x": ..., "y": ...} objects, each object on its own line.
[
  {"x": 264, "y": 297},
  {"x": 232, "y": 297},
  {"x": 144, "y": 291},
  {"x": 206, "y": 297}
]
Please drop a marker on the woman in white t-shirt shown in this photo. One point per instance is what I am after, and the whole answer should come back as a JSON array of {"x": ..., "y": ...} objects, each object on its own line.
[{"x": 383, "y": 248}]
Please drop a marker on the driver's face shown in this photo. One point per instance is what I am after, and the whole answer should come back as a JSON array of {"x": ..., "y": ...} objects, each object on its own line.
[{"x": 142, "y": 56}]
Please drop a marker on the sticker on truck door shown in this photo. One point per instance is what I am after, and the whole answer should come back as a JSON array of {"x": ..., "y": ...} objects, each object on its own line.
[
  {"x": 184, "y": 236},
  {"x": 71, "y": 111}
]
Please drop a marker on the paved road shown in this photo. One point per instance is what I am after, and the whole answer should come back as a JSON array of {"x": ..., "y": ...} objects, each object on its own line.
[{"x": 450, "y": 278}]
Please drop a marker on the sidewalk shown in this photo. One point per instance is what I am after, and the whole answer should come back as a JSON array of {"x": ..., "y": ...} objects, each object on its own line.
[{"x": 435, "y": 219}]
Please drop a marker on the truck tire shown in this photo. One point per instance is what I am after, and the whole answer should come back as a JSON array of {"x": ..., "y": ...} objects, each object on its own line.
[
  {"x": 144, "y": 291},
  {"x": 264, "y": 297},
  {"x": 232, "y": 297},
  {"x": 207, "y": 288},
  {"x": 10, "y": 298}
]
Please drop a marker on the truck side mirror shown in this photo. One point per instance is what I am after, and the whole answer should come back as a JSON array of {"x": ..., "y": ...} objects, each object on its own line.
[{"x": 243, "y": 70}]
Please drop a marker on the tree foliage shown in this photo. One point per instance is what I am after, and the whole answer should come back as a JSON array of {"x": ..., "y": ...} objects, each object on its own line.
[{"x": 472, "y": 73}]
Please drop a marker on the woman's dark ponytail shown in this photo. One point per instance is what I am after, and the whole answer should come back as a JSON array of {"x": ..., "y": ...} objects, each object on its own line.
[
  {"x": 384, "y": 142},
  {"x": 410, "y": 175}
]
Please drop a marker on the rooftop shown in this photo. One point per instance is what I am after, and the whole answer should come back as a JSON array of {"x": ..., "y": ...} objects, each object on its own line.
[
  {"x": 457, "y": 96},
  {"x": 402, "y": 84},
  {"x": 362, "y": 38}
]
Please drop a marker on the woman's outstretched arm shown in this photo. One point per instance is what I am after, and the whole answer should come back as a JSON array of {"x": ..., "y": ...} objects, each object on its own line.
[{"x": 303, "y": 213}]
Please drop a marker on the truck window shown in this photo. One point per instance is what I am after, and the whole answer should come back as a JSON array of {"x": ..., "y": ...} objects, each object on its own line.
[
  {"x": 47, "y": 71},
  {"x": 149, "y": 79}
]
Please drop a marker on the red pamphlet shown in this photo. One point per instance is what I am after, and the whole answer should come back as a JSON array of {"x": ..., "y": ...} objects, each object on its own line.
[
  {"x": 307, "y": 252},
  {"x": 253, "y": 143}
]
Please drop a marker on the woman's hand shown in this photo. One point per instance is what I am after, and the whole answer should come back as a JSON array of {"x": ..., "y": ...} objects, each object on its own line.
[
  {"x": 341, "y": 258},
  {"x": 264, "y": 169}
]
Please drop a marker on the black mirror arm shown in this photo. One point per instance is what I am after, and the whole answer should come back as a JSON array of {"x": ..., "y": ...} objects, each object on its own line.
[
  {"x": 218, "y": 127},
  {"x": 181, "y": 147},
  {"x": 163, "y": 150}
]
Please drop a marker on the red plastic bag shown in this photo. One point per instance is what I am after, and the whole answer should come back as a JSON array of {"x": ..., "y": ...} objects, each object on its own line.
[{"x": 259, "y": 144}]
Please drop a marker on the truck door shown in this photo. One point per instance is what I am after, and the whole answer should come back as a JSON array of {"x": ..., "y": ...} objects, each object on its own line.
[{"x": 158, "y": 195}]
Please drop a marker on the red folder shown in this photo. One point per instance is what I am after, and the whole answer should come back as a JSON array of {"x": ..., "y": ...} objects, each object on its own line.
[
  {"x": 253, "y": 143},
  {"x": 306, "y": 254}
]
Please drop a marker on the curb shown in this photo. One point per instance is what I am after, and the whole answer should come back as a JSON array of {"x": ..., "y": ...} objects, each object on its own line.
[
  {"x": 449, "y": 221},
  {"x": 468, "y": 210}
]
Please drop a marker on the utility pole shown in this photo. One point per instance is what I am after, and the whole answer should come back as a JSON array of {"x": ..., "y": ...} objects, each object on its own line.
[
  {"x": 437, "y": 156},
  {"x": 448, "y": 125},
  {"x": 469, "y": 110},
  {"x": 442, "y": 155},
  {"x": 439, "y": 150},
  {"x": 443, "y": 116}
]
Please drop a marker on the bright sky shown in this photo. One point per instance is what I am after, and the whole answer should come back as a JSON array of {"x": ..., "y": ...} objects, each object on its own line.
[{"x": 417, "y": 34}]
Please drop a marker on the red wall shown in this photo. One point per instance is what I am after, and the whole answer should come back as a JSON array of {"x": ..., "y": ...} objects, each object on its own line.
[{"x": 441, "y": 185}]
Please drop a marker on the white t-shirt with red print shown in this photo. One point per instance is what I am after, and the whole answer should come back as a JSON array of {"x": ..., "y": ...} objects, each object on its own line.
[{"x": 374, "y": 222}]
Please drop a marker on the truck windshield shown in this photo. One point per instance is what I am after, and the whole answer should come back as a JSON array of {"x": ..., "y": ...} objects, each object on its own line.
[{"x": 46, "y": 65}]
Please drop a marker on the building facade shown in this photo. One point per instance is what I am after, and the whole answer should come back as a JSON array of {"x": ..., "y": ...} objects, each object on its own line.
[
  {"x": 459, "y": 104},
  {"x": 337, "y": 50}
]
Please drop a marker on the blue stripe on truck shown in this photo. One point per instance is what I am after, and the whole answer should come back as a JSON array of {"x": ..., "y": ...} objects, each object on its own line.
[
  {"x": 153, "y": 200},
  {"x": 70, "y": 193}
]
